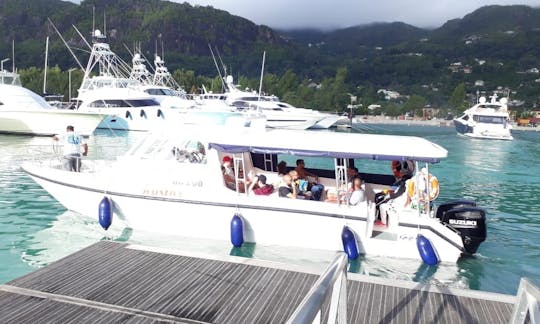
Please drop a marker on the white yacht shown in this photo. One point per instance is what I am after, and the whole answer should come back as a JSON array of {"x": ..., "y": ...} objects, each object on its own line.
[
  {"x": 114, "y": 93},
  {"x": 279, "y": 114},
  {"x": 24, "y": 112},
  {"x": 172, "y": 182},
  {"x": 487, "y": 120}
]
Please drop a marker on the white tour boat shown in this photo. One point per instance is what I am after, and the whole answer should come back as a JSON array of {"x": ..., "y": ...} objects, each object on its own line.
[
  {"x": 24, "y": 112},
  {"x": 488, "y": 120},
  {"x": 173, "y": 183}
]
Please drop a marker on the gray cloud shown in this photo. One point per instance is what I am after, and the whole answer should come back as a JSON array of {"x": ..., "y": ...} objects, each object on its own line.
[{"x": 326, "y": 14}]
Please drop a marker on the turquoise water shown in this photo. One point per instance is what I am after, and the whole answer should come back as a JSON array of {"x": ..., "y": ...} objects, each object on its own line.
[{"x": 501, "y": 176}]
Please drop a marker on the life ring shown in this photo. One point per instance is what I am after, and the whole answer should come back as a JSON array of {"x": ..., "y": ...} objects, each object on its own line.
[{"x": 433, "y": 187}]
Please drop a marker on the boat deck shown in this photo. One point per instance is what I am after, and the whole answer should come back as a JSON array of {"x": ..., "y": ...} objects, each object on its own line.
[{"x": 115, "y": 282}]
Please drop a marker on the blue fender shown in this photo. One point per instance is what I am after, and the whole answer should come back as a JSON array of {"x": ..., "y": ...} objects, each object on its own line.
[
  {"x": 237, "y": 230},
  {"x": 349, "y": 243},
  {"x": 426, "y": 250},
  {"x": 105, "y": 213}
]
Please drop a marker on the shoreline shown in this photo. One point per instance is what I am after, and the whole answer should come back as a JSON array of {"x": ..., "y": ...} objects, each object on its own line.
[{"x": 420, "y": 122}]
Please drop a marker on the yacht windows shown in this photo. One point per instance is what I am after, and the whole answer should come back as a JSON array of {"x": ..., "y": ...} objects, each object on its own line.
[
  {"x": 118, "y": 103},
  {"x": 142, "y": 102},
  {"x": 489, "y": 119}
]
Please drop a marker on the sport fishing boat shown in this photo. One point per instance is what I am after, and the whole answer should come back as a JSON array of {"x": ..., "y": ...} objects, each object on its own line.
[
  {"x": 488, "y": 120},
  {"x": 172, "y": 182},
  {"x": 25, "y": 112},
  {"x": 113, "y": 93}
]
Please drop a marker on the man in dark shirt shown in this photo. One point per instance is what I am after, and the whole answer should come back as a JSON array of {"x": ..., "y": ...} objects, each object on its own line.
[{"x": 287, "y": 189}]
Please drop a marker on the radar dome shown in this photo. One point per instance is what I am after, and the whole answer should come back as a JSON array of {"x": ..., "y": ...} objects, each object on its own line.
[
  {"x": 503, "y": 101},
  {"x": 230, "y": 79},
  {"x": 482, "y": 100},
  {"x": 97, "y": 33}
]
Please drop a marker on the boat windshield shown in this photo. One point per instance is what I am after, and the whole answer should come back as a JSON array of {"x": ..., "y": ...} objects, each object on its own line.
[
  {"x": 489, "y": 119},
  {"x": 110, "y": 103}
]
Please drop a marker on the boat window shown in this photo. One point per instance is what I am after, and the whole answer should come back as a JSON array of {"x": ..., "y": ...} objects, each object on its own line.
[
  {"x": 465, "y": 117},
  {"x": 489, "y": 119},
  {"x": 142, "y": 103},
  {"x": 1, "y": 103},
  {"x": 156, "y": 92},
  {"x": 97, "y": 104},
  {"x": 190, "y": 151}
]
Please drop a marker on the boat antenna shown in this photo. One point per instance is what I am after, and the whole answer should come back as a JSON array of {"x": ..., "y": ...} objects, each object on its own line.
[
  {"x": 84, "y": 39},
  {"x": 93, "y": 19},
  {"x": 221, "y": 61},
  {"x": 127, "y": 48},
  {"x": 13, "y": 55},
  {"x": 217, "y": 67},
  {"x": 162, "y": 51},
  {"x": 262, "y": 74},
  {"x": 46, "y": 63},
  {"x": 66, "y": 44},
  {"x": 104, "y": 24}
]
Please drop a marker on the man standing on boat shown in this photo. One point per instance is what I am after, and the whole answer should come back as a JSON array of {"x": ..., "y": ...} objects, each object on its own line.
[{"x": 72, "y": 148}]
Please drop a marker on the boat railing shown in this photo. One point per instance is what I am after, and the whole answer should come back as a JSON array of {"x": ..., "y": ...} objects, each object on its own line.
[
  {"x": 51, "y": 155},
  {"x": 527, "y": 307},
  {"x": 332, "y": 284}
]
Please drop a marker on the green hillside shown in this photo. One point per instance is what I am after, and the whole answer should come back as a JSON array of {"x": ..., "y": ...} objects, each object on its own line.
[{"x": 499, "y": 45}]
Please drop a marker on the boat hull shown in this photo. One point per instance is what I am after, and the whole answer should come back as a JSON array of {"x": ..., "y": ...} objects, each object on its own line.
[
  {"x": 267, "y": 220},
  {"x": 47, "y": 122},
  {"x": 480, "y": 132}
]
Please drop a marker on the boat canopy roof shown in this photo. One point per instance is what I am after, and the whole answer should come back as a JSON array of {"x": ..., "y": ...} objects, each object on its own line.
[{"x": 331, "y": 144}]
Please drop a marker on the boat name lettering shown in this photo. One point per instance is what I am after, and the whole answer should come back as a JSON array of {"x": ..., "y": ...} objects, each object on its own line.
[
  {"x": 192, "y": 183},
  {"x": 462, "y": 222},
  {"x": 406, "y": 237},
  {"x": 161, "y": 192}
]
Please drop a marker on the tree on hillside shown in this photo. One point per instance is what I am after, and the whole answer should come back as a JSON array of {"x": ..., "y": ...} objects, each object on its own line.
[
  {"x": 415, "y": 104},
  {"x": 457, "y": 100}
]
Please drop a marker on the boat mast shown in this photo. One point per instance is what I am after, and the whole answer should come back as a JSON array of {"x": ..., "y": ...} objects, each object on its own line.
[
  {"x": 262, "y": 72},
  {"x": 13, "y": 55},
  {"x": 46, "y": 63}
]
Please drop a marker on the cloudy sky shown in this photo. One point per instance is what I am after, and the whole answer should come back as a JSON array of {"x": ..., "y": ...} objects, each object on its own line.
[{"x": 325, "y": 14}]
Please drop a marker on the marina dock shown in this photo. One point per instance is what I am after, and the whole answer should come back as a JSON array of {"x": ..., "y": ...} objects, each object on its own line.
[{"x": 111, "y": 282}]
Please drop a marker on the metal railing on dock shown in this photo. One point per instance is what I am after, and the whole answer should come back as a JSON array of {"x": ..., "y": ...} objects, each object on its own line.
[
  {"x": 333, "y": 280},
  {"x": 527, "y": 307}
]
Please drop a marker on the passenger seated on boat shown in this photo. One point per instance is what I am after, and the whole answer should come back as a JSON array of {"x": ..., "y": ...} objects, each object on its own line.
[
  {"x": 301, "y": 185},
  {"x": 313, "y": 186},
  {"x": 287, "y": 189},
  {"x": 402, "y": 171},
  {"x": 351, "y": 173},
  {"x": 356, "y": 194},
  {"x": 282, "y": 168},
  {"x": 260, "y": 187}
]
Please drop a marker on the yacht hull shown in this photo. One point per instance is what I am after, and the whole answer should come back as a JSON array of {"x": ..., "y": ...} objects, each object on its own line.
[
  {"x": 47, "y": 122},
  {"x": 267, "y": 220}
]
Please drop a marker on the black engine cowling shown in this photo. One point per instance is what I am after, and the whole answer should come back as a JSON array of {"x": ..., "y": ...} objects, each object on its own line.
[
  {"x": 442, "y": 209},
  {"x": 470, "y": 222}
]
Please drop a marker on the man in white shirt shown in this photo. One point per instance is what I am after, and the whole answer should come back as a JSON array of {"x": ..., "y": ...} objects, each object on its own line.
[{"x": 73, "y": 143}]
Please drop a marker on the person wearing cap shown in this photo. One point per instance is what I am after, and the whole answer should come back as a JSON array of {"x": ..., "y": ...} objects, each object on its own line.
[
  {"x": 228, "y": 172},
  {"x": 260, "y": 187}
]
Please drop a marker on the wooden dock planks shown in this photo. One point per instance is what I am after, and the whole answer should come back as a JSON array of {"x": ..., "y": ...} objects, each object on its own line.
[{"x": 110, "y": 282}]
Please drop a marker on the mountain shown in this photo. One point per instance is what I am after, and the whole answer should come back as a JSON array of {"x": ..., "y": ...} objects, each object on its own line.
[
  {"x": 185, "y": 31},
  {"x": 496, "y": 44}
]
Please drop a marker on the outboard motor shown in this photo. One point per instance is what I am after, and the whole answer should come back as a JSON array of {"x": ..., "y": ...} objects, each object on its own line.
[
  {"x": 470, "y": 222},
  {"x": 442, "y": 209}
]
